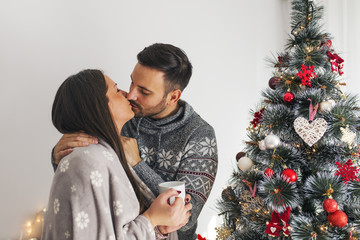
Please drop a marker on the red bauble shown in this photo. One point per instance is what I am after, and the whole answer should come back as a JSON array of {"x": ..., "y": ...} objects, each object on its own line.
[
  {"x": 269, "y": 172},
  {"x": 288, "y": 97},
  {"x": 274, "y": 82},
  {"x": 290, "y": 175},
  {"x": 330, "y": 205},
  {"x": 338, "y": 219}
]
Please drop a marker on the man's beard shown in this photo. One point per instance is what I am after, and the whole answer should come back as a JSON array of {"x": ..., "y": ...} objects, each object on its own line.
[{"x": 153, "y": 111}]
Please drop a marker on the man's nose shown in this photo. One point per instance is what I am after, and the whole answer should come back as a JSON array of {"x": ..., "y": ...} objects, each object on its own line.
[{"x": 132, "y": 94}]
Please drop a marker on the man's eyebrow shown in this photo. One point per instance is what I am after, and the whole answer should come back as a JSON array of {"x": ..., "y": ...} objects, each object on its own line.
[{"x": 144, "y": 88}]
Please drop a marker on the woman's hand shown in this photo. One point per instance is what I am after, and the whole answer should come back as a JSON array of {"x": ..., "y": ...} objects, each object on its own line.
[
  {"x": 68, "y": 141},
  {"x": 161, "y": 213},
  {"x": 168, "y": 229}
]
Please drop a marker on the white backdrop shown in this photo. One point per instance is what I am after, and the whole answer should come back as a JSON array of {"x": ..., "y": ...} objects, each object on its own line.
[{"x": 44, "y": 41}]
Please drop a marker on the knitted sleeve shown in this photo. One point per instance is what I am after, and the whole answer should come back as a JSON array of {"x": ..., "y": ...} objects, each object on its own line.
[{"x": 197, "y": 168}]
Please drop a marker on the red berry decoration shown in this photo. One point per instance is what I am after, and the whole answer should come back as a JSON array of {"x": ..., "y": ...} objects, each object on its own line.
[
  {"x": 269, "y": 172},
  {"x": 289, "y": 174},
  {"x": 330, "y": 205},
  {"x": 274, "y": 82},
  {"x": 338, "y": 219},
  {"x": 288, "y": 97}
]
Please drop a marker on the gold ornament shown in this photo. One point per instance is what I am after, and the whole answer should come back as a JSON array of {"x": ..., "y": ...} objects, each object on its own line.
[
  {"x": 251, "y": 204},
  {"x": 348, "y": 136},
  {"x": 222, "y": 232}
]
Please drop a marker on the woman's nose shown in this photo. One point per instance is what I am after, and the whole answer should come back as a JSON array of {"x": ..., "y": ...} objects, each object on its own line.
[{"x": 124, "y": 93}]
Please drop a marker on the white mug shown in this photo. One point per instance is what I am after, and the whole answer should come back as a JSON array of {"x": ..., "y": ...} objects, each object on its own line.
[{"x": 177, "y": 185}]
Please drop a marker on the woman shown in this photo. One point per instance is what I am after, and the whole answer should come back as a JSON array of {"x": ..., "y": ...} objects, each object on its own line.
[{"x": 94, "y": 194}]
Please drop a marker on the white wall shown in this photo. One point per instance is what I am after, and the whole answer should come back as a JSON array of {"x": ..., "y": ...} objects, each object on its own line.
[{"x": 44, "y": 41}]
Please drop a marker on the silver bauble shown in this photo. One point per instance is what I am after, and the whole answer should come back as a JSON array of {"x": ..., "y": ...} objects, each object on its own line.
[
  {"x": 272, "y": 141},
  {"x": 325, "y": 107},
  {"x": 245, "y": 163},
  {"x": 262, "y": 145}
]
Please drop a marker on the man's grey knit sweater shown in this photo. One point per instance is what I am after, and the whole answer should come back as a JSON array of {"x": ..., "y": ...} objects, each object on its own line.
[{"x": 181, "y": 147}]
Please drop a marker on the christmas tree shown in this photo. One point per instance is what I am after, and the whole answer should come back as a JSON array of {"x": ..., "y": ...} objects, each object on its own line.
[{"x": 298, "y": 172}]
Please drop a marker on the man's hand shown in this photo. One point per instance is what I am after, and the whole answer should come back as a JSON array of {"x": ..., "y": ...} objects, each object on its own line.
[
  {"x": 131, "y": 150},
  {"x": 68, "y": 141}
]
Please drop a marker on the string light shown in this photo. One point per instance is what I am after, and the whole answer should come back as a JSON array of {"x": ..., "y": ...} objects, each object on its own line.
[{"x": 33, "y": 228}]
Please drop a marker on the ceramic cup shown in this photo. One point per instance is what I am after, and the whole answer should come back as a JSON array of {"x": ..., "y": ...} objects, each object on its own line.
[{"x": 177, "y": 185}]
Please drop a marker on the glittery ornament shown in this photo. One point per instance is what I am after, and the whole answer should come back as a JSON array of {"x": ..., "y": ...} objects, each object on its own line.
[
  {"x": 330, "y": 205},
  {"x": 310, "y": 132},
  {"x": 288, "y": 97},
  {"x": 347, "y": 135},
  {"x": 338, "y": 219}
]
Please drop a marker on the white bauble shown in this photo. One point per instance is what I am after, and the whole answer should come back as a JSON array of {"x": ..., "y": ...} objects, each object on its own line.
[
  {"x": 262, "y": 145},
  {"x": 245, "y": 163},
  {"x": 325, "y": 106},
  {"x": 272, "y": 141},
  {"x": 332, "y": 102}
]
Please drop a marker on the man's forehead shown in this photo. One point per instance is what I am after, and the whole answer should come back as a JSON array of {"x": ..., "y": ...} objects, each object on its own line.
[{"x": 148, "y": 78}]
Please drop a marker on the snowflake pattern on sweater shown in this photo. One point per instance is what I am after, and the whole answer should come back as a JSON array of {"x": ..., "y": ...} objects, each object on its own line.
[{"x": 181, "y": 147}]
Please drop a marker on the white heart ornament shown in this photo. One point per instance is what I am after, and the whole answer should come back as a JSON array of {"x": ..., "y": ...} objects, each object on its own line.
[
  {"x": 310, "y": 132},
  {"x": 273, "y": 229}
]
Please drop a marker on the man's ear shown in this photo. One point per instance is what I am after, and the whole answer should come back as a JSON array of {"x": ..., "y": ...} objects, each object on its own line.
[{"x": 174, "y": 96}]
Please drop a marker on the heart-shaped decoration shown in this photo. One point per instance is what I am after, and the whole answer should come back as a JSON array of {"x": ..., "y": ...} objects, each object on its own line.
[
  {"x": 310, "y": 132},
  {"x": 273, "y": 229}
]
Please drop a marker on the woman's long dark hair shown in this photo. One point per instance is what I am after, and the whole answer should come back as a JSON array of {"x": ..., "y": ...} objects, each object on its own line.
[{"x": 81, "y": 105}]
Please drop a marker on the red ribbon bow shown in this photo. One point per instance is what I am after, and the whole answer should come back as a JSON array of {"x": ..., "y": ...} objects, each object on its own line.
[
  {"x": 199, "y": 237},
  {"x": 279, "y": 222},
  {"x": 337, "y": 63}
]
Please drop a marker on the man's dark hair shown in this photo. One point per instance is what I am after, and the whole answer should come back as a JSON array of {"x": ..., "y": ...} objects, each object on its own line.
[
  {"x": 169, "y": 59},
  {"x": 81, "y": 104}
]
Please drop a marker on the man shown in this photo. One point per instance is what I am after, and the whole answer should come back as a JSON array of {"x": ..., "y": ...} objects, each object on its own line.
[{"x": 175, "y": 143}]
